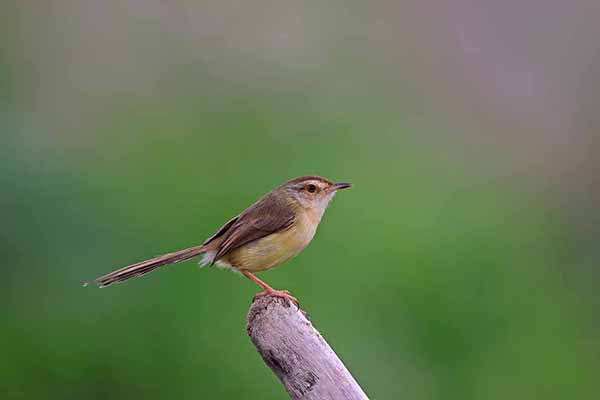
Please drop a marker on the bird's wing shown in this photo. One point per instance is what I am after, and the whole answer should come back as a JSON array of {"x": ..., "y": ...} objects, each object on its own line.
[
  {"x": 222, "y": 230},
  {"x": 267, "y": 216}
]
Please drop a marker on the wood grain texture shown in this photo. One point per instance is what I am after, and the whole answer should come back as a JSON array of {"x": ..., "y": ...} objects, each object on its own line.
[{"x": 297, "y": 353}]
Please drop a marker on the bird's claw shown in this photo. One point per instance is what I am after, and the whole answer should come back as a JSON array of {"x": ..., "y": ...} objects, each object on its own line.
[{"x": 284, "y": 294}]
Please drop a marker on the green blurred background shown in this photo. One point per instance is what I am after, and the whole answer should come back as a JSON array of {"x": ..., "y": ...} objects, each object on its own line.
[{"x": 462, "y": 265}]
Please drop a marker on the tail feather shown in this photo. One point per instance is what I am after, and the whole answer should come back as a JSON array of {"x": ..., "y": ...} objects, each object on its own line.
[{"x": 144, "y": 267}]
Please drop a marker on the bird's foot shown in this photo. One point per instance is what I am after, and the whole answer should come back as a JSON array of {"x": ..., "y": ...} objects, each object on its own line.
[{"x": 284, "y": 294}]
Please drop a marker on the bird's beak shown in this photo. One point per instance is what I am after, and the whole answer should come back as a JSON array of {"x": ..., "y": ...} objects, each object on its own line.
[{"x": 340, "y": 185}]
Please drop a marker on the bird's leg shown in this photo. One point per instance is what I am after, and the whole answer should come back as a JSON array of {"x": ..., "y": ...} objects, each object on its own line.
[{"x": 268, "y": 290}]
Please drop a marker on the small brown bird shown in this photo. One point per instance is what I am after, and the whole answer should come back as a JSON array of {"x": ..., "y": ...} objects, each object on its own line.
[{"x": 268, "y": 233}]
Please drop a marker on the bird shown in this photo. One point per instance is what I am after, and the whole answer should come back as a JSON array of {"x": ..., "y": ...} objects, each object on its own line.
[{"x": 266, "y": 234}]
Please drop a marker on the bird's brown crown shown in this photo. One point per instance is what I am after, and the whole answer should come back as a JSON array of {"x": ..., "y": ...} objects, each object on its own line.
[{"x": 307, "y": 178}]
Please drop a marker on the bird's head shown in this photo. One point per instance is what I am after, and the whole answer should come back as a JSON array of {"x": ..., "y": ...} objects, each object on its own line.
[{"x": 312, "y": 192}]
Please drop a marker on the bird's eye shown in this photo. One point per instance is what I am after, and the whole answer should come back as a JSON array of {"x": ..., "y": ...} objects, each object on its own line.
[{"x": 311, "y": 188}]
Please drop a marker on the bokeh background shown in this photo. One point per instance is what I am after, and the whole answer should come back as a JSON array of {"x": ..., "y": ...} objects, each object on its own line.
[{"x": 462, "y": 265}]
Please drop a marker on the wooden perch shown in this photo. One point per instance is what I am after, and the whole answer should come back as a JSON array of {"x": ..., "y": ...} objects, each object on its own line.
[{"x": 297, "y": 353}]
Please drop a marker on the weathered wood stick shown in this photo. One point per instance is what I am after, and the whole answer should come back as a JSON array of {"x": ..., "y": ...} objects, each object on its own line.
[{"x": 297, "y": 353}]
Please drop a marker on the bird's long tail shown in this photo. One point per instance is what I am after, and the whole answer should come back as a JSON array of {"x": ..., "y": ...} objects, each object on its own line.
[{"x": 144, "y": 267}]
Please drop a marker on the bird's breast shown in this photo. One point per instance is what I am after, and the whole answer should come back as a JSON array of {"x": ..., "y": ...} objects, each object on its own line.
[{"x": 274, "y": 249}]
